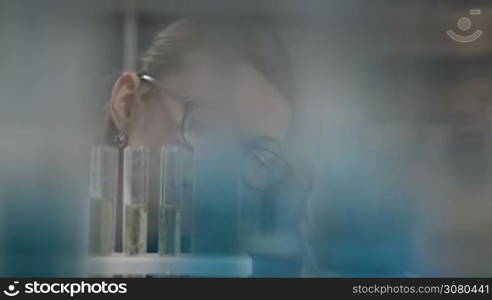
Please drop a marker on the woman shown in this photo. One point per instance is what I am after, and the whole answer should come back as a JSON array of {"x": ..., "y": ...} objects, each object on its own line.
[
  {"x": 233, "y": 72},
  {"x": 193, "y": 60}
]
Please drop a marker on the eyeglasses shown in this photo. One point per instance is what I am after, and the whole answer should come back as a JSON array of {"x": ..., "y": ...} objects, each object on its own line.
[{"x": 263, "y": 167}]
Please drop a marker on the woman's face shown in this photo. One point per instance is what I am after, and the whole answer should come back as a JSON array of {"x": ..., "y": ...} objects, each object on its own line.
[{"x": 240, "y": 94}]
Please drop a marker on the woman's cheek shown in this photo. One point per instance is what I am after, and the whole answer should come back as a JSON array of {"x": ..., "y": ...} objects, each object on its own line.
[{"x": 152, "y": 128}]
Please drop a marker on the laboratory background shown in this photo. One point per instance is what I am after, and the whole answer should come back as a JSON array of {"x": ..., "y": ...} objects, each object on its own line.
[{"x": 389, "y": 149}]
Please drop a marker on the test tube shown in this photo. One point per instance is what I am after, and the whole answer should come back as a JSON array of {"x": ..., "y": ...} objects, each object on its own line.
[
  {"x": 135, "y": 199},
  {"x": 102, "y": 193},
  {"x": 171, "y": 191}
]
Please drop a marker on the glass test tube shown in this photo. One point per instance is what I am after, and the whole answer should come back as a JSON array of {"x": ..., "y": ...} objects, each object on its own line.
[
  {"x": 102, "y": 192},
  {"x": 171, "y": 191},
  {"x": 135, "y": 199}
]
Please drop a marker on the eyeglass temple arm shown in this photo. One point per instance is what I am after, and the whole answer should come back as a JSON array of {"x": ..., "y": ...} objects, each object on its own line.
[
  {"x": 155, "y": 83},
  {"x": 149, "y": 79}
]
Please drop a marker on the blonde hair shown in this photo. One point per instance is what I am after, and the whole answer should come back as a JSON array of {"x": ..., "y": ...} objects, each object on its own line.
[{"x": 252, "y": 40}]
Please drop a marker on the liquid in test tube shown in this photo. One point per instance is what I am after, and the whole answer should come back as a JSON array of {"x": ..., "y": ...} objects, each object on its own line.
[
  {"x": 171, "y": 191},
  {"x": 135, "y": 199},
  {"x": 102, "y": 190}
]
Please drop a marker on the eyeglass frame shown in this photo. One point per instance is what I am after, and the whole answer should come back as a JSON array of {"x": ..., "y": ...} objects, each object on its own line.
[{"x": 189, "y": 106}]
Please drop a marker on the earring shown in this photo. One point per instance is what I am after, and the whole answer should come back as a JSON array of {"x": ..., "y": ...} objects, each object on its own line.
[{"x": 120, "y": 139}]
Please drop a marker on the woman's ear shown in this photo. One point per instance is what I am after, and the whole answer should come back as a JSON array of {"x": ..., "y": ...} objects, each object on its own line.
[{"x": 123, "y": 98}]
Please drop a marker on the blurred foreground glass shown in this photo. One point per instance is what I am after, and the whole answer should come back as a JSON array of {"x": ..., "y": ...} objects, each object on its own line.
[
  {"x": 135, "y": 199},
  {"x": 360, "y": 218},
  {"x": 41, "y": 205},
  {"x": 103, "y": 187},
  {"x": 215, "y": 201}
]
